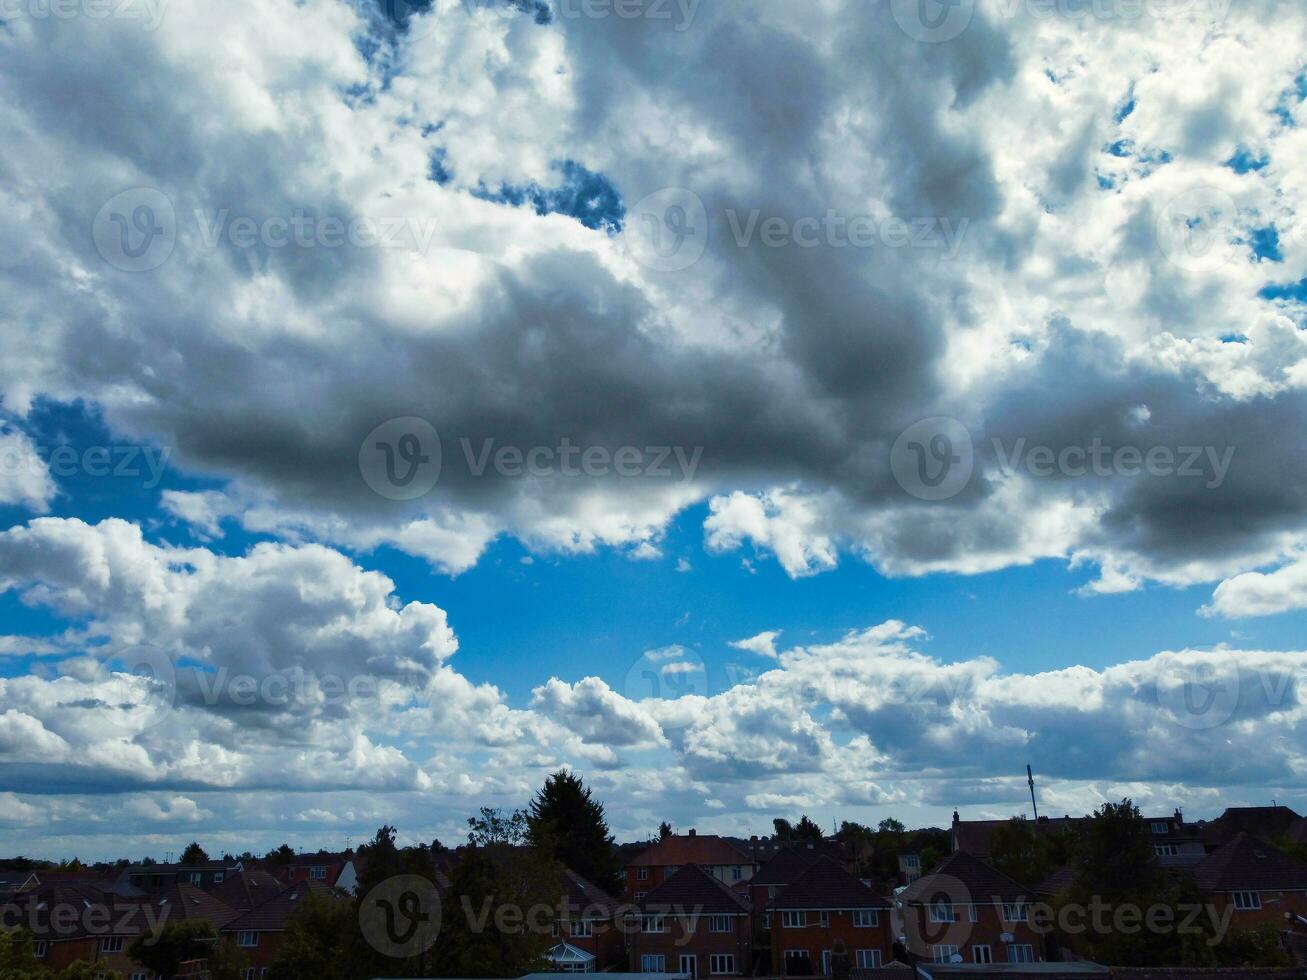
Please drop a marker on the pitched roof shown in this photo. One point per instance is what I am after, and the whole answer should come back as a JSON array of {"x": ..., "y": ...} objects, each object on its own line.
[
  {"x": 692, "y": 888},
  {"x": 1260, "y": 821},
  {"x": 247, "y": 889},
  {"x": 786, "y": 867},
  {"x": 973, "y": 836},
  {"x": 1297, "y": 832},
  {"x": 1247, "y": 864},
  {"x": 965, "y": 879},
  {"x": 1057, "y": 881},
  {"x": 828, "y": 886},
  {"x": 586, "y": 899},
  {"x": 679, "y": 850},
  {"x": 273, "y": 914}
]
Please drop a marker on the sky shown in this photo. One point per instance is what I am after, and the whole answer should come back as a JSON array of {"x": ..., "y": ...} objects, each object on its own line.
[{"x": 758, "y": 408}]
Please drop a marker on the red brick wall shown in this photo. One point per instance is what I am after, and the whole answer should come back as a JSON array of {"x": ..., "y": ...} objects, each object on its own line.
[
  {"x": 1274, "y": 905},
  {"x": 701, "y": 943},
  {"x": 814, "y": 938},
  {"x": 922, "y": 934}
]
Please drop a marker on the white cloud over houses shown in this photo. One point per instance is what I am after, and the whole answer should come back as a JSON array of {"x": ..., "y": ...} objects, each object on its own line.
[{"x": 1067, "y": 314}]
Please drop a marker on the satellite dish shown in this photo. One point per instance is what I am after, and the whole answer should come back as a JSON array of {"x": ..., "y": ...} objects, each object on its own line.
[
  {"x": 1007, "y": 937},
  {"x": 955, "y": 958}
]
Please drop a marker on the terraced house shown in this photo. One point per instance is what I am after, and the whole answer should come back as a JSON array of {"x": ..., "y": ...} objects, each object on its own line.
[
  {"x": 825, "y": 911},
  {"x": 694, "y": 925}
]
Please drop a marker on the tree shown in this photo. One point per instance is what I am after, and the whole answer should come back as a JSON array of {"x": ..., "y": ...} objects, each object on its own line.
[
  {"x": 1116, "y": 859},
  {"x": 807, "y": 829},
  {"x": 1019, "y": 850},
  {"x": 194, "y": 854},
  {"x": 891, "y": 826},
  {"x": 226, "y": 962},
  {"x": 784, "y": 830},
  {"x": 495, "y": 825},
  {"x": 471, "y": 943},
  {"x": 18, "y": 955},
  {"x": 176, "y": 943},
  {"x": 281, "y": 855},
  {"x": 321, "y": 941},
  {"x": 566, "y": 823},
  {"x": 664, "y": 831}
]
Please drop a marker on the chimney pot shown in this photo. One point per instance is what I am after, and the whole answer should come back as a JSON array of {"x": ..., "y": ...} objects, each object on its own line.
[{"x": 692, "y": 833}]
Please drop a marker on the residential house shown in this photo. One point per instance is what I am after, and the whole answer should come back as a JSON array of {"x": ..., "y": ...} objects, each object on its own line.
[
  {"x": 824, "y": 909},
  {"x": 155, "y": 877},
  {"x": 590, "y": 937},
  {"x": 692, "y": 924},
  {"x": 1260, "y": 822},
  {"x": 1259, "y": 881},
  {"x": 781, "y": 871},
  {"x": 258, "y": 933},
  {"x": 335, "y": 870},
  {"x": 1176, "y": 842},
  {"x": 966, "y": 911},
  {"x": 247, "y": 889},
  {"x": 649, "y": 869}
]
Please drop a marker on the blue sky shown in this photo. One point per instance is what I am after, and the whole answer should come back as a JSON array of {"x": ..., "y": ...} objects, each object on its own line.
[{"x": 936, "y": 392}]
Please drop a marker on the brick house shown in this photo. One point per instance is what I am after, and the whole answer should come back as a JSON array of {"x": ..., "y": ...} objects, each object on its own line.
[
  {"x": 258, "y": 932},
  {"x": 780, "y": 871},
  {"x": 154, "y": 877},
  {"x": 824, "y": 910},
  {"x": 335, "y": 870},
  {"x": 1259, "y": 881},
  {"x": 720, "y": 857},
  {"x": 966, "y": 909},
  {"x": 694, "y": 925},
  {"x": 591, "y": 928}
]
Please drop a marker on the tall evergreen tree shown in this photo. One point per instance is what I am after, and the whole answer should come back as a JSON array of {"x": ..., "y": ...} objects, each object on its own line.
[
  {"x": 568, "y": 824},
  {"x": 194, "y": 854}
]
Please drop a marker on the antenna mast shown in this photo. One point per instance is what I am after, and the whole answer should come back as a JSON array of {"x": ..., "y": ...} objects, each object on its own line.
[{"x": 1030, "y": 778}]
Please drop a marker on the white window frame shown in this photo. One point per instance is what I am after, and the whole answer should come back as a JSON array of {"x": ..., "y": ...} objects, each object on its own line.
[
  {"x": 318, "y": 872},
  {"x": 825, "y": 963},
  {"x": 1247, "y": 901},
  {"x": 791, "y": 919},
  {"x": 41, "y": 948},
  {"x": 1165, "y": 850},
  {"x": 653, "y": 924},
  {"x": 248, "y": 939},
  {"x": 693, "y": 964},
  {"x": 640, "y": 897},
  {"x": 719, "y": 923},
  {"x": 943, "y": 912},
  {"x": 581, "y": 929},
  {"x": 943, "y": 953},
  {"x": 721, "y": 965},
  {"x": 196, "y": 878},
  {"x": 112, "y": 944},
  {"x": 1014, "y": 912},
  {"x": 1161, "y": 827},
  {"x": 866, "y": 918},
  {"x": 641, "y": 874},
  {"x": 737, "y": 873},
  {"x": 982, "y": 953},
  {"x": 1021, "y": 953},
  {"x": 653, "y": 963},
  {"x": 823, "y": 919},
  {"x": 867, "y": 959},
  {"x": 912, "y": 861}
]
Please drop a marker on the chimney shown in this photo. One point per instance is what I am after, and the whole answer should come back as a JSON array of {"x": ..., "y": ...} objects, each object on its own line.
[
  {"x": 692, "y": 833},
  {"x": 956, "y": 818}
]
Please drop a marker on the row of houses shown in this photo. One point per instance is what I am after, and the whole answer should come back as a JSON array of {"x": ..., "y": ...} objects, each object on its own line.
[{"x": 695, "y": 905}]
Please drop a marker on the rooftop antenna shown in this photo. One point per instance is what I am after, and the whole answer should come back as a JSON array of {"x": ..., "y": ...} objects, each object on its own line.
[{"x": 1030, "y": 778}]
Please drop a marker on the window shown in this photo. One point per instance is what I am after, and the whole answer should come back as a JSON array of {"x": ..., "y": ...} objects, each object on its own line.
[
  {"x": 973, "y": 913},
  {"x": 865, "y": 918},
  {"x": 823, "y": 919},
  {"x": 737, "y": 874},
  {"x": 247, "y": 939},
  {"x": 690, "y": 965},
  {"x": 249, "y": 973},
  {"x": 1244, "y": 901},
  {"x": 111, "y": 944},
  {"x": 653, "y": 963},
  {"x": 642, "y": 874},
  {"x": 670, "y": 870},
  {"x": 1014, "y": 912},
  {"x": 639, "y": 896},
  {"x": 652, "y": 923},
  {"x": 318, "y": 873},
  {"x": 196, "y": 878},
  {"x": 766, "y": 920},
  {"x": 218, "y": 877},
  {"x": 825, "y": 963},
  {"x": 583, "y": 929},
  {"x": 41, "y": 949},
  {"x": 771, "y": 891},
  {"x": 943, "y": 954},
  {"x": 911, "y": 861},
  {"x": 867, "y": 959},
  {"x": 553, "y": 930},
  {"x": 1161, "y": 827},
  {"x": 720, "y": 923},
  {"x": 140, "y": 976},
  {"x": 982, "y": 954},
  {"x": 1021, "y": 954},
  {"x": 942, "y": 912},
  {"x": 793, "y": 920},
  {"x": 722, "y": 964},
  {"x": 1165, "y": 850}
]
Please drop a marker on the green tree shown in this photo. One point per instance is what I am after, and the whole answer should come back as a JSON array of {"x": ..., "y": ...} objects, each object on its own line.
[
  {"x": 807, "y": 829},
  {"x": 784, "y": 830},
  {"x": 282, "y": 855},
  {"x": 1255, "y": 947},
  {"x": 322, "y": 941},
  {"x": 194, "y": 854},
  {"x": 18, "y": 955},
  {"x": 495, "y": 825},
  {"x": 176, "y": 943},
  {"x": 891, "y": 826},
  {"x": 664, "y": 831},
  {"x": 1019, "y": 850},
  {"x": 227, "y": 961},
  {"x": 81, "y": 970},
  {"x": 474, "y": 941},
  {"x": 566, "y": 823}
]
